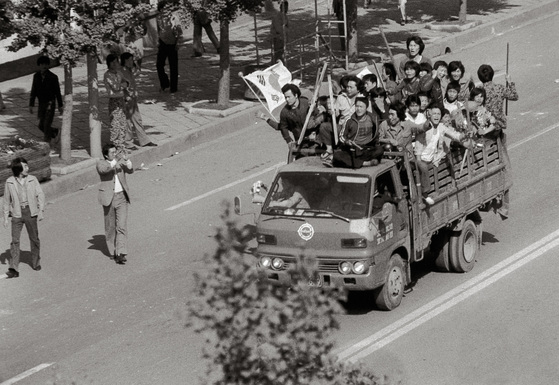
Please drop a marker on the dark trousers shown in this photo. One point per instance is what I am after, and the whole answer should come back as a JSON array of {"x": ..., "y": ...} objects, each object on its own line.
[
  {"x": 33, "y": 232},
  {"x": 45, "y": 114},
  {"x": 168, "y": 51},
  {"x": 116, "y": 216},
  {"x": 197, "y": 36}
]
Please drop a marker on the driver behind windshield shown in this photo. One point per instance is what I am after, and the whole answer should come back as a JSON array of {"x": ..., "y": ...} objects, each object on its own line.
[{"x": 291, "y": 196}]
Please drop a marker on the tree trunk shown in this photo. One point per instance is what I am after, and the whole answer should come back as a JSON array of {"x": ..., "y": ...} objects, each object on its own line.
[
  {"x": 224, "y": 64},
  {"x": 65, "y": 134},
  {"x": 352, "y": 50},
  {"x": 462, "y": 14},
  {"x": 93, "y": 94}
]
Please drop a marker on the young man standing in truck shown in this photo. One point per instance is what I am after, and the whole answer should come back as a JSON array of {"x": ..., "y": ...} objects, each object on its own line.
[
  {"x": 496, "y": 94},
  {"x": 429, "y": 148}
]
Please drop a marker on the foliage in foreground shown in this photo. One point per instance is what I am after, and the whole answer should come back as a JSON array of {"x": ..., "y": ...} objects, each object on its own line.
[{"x": 258, "y": 333}]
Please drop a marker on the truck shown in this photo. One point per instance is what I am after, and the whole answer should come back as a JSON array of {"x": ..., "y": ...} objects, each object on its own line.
[{"x": 366, "y": 227}]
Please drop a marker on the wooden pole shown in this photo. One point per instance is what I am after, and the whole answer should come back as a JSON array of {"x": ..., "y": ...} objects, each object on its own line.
[
  {"x": 256, "y": 41},
  {"x": 507, "y": 82},
  {"x": 313, "y": 103},
  {"x": 379, "y": 76},
  {"x": 386, "y": 44},
  {"x": 334, "y": 124}
]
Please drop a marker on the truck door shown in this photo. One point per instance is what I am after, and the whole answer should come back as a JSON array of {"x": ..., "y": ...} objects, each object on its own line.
[{"x": 387, "y": 214}]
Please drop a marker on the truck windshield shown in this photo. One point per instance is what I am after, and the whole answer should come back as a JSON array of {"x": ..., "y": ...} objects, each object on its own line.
[{"x": 319, "y": 195}]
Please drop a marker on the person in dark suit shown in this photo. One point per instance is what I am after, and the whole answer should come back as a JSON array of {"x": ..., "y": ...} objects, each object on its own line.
[
  {"x": 114, "y": 196},
  {"x": 46, "y": 88}
]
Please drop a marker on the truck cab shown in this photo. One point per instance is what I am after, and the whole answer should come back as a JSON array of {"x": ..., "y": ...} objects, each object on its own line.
[{"x": 350, "y": 221}]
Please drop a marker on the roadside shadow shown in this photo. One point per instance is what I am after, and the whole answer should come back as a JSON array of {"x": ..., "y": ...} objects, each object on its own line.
[
  {"x": 359, "y": 302},
  {"x": 488, "y": 238},
  {"x": 25, "y": 257},
  {"x": 98, "y": 243},
  {"x": 4, "y": 257}
]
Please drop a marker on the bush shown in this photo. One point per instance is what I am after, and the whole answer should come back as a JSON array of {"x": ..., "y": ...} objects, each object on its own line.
[{"x": 260, "y": 333}]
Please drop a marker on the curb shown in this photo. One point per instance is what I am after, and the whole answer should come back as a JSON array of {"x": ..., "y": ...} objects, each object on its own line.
[
  {"x": 485, "y": 31},
  {"x": 82, "y": 179}
]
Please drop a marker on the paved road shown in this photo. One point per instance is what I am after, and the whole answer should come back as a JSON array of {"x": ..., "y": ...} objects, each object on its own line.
[
  {"x": 505, "y": 333},
  {"x": 101, "y": 323}
]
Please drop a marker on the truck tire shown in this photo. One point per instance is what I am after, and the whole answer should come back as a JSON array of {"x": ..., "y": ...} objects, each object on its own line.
[
  {"x": 463, "y": 248},
  {"x": 440, "y": 251},
  {"x": 389, "y": 295}
]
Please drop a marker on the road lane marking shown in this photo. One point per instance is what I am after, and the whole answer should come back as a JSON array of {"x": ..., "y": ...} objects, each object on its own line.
[
  {"x": 252, "y": 176},
  {"x": 534, "y": 136},
  {"x": 27, "y": 373},
  {"x": 390, "y": 333}
]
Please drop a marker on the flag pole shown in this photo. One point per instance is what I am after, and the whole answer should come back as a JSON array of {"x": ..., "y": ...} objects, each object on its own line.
[
  {"x": 258, "y": 97},
  {"x": 507, "y": 82},
  {"x": 379, "y": 76},
  {"x": 313, "y": 103},
  {"x": 331, "y": 93}
]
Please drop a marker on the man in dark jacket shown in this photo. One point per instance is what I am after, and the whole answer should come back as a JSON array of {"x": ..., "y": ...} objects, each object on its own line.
[{"x": 46, "y": 88}]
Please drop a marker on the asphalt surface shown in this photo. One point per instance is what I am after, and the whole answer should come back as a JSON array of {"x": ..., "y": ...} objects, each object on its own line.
[{"x": 101, "y": 323}]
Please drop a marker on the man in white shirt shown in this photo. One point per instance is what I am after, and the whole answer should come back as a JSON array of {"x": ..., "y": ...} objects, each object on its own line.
[{"x": 114, "y": 196}]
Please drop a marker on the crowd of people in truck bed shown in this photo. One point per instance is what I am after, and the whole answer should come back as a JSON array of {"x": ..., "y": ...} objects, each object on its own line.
[{"x": 416, "y": 106}]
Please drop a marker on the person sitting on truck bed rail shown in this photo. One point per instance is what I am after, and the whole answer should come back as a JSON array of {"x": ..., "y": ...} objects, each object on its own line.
[
  {"x": 397, "y": 132},
  {"x": 358, "y": 139},
  {"x": 291, "y": 196},
  {"x": 344, "y": 107},
  {"x": 429, "y": 148}
]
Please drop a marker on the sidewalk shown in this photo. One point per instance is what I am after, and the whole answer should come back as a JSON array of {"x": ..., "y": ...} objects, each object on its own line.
[{"x": 165, "y": 116}]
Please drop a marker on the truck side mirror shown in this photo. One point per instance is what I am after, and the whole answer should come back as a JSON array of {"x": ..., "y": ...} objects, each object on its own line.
[{"x": 237, "y": 205}]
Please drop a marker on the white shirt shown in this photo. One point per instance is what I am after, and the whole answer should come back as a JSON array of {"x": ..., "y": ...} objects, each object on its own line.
[{"x": 118, "y": 185}]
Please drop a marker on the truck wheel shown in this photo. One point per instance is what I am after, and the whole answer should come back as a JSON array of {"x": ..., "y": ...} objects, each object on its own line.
[
  {"x": 439, "y": 251},
  {"x": 464, "y": 248},
  {"x": 390, "y": 295}
]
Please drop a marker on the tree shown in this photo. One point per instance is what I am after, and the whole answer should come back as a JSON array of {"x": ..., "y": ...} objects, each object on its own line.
[
  {"x": 106, "y": 22},
  {"x": 462, "y": 14},
  {"x": 352, "y": 44},
  {"x": 225, "y": 12},
  {"x": 67, "y": 30},
  {"x": 260, "y": 333}
]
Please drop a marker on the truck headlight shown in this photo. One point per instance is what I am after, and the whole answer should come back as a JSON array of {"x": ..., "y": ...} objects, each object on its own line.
[
  {"x": 344, "y": 268},
  {"x": 359, "y": 267},
  {"x": 277, "y": 263},
  {"x": 266, "y": 262}
]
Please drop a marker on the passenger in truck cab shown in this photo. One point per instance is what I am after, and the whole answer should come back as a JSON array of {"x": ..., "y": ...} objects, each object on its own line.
[{"x": 291, "y": 196}]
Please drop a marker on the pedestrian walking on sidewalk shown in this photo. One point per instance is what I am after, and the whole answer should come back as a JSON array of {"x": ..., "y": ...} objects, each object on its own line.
[
  {"x": 202, "y": 20},
  {"x": 46, "y": 89},
  {"x": 115, "y": 85},
  {"x": 169, "y": 31},
  {"x": 131, "y": 109},
  {"x": 114, "y": 196},
  {"x": 278, "y": 32},
  {"x": 24, "y": 201}
]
